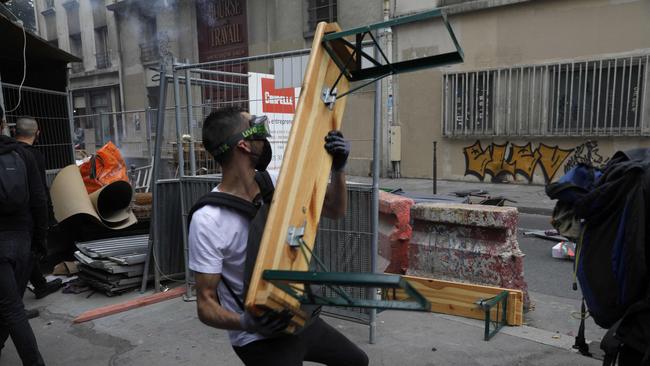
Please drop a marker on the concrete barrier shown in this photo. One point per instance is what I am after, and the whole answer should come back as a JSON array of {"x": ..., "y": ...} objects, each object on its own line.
[
  {"x": 470, "y": 243},
  {"x": 394, "y": 232},
  {"x": 467, "y": 243}
]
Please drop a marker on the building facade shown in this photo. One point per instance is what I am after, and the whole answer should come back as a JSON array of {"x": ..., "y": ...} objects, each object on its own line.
[
  {"x": 545, "y": 84},
  {"x": 122, "y": 42}
]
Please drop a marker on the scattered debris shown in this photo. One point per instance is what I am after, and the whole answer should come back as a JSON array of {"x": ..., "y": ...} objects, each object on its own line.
[
  {"x": 114, "y": 265},
  {"x": 75, "y": 286},
  {"x": 65, "y": 269},
  {"x": 470, "y": 192},
  {"x": 131, "y": 304},
  {"x": 564, "y": 250},
  {"x": 552, "y": 235}
]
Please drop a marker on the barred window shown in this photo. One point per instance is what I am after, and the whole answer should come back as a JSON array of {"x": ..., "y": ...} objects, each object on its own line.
[
  {"x": 588, "y": 98},
  {"x": 320, "y": 11}
]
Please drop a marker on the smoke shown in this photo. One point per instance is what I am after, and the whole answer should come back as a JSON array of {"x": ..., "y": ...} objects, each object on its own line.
[{"x": 154, "y": 23}]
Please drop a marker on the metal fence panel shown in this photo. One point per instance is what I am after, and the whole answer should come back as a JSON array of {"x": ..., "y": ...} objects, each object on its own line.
[
  {"x": 168, "y": 247},
  {"x": 604, "y": 97},
  {"x": 50, "y": 109},
  {"x": 345, "y": 245},
  {"x": 168, "y": 240}
]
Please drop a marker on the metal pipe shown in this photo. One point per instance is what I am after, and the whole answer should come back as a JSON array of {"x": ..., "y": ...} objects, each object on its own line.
[
  {"x": 71, "y": 124},
  {"x": 33, "y": 89},
  {"x": 147, "y": 121},
  {"x": 269, "y": 56},
  {"x": 188, "y": 96},
  {"x": 435, "y": 167},
  {"x": 376, "y": 153},
  {"x": 216, "y": 72},
  {"x": 181, "y": 187},
  {"x": 179, "y": 131},
  {"x": 207, "y": 81},
  {"x": 160, "y": 125},
  {"x": 644, "y": 126},
  {"x": 301, "y": 52}
]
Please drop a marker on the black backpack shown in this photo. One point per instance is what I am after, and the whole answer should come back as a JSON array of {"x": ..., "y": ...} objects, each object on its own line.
[
  {"x": 14, "y": 193},
  {"x": 256, "y": 211},
  {"x": 613, "y": 254}
]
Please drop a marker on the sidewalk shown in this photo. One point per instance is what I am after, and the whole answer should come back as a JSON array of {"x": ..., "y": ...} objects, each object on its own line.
[
  {"x": 169, "y": 333},
  {"x": 530, "y": 199}
]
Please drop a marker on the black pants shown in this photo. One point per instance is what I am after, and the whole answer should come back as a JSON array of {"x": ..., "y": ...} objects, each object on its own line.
[
  {"x": 320, "y": 343},
  {"x": 15, "y": 259},
  {"x": 36, "y": 275}
]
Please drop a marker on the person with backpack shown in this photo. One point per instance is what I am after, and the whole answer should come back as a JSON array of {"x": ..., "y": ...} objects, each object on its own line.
[
  {"x": 27, "y": 134},
  {"x": 23, "y": 222},
  {"x": 222, "y": 225},
  {"x": 607, "y": 213}
]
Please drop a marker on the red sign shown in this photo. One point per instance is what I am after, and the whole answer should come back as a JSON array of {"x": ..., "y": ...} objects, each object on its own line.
[{"x": 277, "y": 100}]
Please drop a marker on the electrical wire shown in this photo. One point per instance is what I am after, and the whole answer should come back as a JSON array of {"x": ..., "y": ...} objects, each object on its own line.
[{"x": 24, "y": 70}]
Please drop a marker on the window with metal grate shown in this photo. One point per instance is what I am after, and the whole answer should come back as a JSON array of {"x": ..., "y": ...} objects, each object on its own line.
[{"x": 582, "y": 98}]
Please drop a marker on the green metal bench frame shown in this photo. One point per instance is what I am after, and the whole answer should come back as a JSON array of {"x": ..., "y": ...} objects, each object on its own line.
[
  {"x": 492, "y": 327},
  {"x": 338, "y": 47},
  {"x": 289, "y": 282}
]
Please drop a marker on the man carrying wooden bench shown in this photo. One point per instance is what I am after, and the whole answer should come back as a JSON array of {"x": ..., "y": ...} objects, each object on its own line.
[{"x": 222, "y": 254}]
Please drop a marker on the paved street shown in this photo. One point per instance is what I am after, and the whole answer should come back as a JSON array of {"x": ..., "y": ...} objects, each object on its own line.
[{"x": 169, "y": 333}]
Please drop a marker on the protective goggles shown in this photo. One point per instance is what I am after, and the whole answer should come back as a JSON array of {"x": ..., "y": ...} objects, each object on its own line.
[{"x": 258, "y": 130}]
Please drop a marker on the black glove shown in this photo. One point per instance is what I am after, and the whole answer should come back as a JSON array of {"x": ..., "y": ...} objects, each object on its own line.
[
  {"x": 337, "y": 146},
  {"x": 268, "y": 324}
]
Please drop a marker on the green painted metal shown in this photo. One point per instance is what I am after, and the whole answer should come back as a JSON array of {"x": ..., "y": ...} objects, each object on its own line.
[
  {"x": 287, "y": 281},
  {"x": 385, "y": 24},
  {"x": 354, "y": 72},
  {"x": 501, "y": 302}
]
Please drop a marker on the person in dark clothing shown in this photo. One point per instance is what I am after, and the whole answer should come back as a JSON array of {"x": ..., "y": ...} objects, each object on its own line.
[
  {"x": 27, "y": 134},
  {"x": 18, "y": 230}
]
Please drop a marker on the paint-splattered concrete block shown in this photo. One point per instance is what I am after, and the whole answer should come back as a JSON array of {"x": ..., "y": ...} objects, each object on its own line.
[
  {"x": 394, "y": 231},
  {"x": 469, "y": 243}
]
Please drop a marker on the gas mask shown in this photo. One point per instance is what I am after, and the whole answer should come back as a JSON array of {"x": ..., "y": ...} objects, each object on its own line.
[{"x": 258, "y": 131}]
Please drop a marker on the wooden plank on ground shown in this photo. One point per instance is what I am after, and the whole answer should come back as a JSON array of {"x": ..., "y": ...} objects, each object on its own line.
[
  {"x": 302, "y": 182},
  {"x": 456, "y": 298},
  {"x": 131, "y": 304}
]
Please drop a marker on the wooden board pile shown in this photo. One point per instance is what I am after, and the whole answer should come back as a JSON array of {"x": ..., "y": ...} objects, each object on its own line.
[{"x": 114, "y": 265}]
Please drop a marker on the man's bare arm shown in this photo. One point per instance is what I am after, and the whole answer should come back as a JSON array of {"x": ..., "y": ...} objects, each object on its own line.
[
  {"x": 336, "y": 196},
  {"x": 208, "y": 308}
]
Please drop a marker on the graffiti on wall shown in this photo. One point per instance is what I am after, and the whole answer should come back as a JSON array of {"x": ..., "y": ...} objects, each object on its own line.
[
  {"x": 588, "y": 154},
  {"x": 510, "y": 160},
  {"x": 500, "y": 161}
]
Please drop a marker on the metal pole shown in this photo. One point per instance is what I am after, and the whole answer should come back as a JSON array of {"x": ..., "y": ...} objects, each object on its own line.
[
  {"x": 71, "y": 123},
  {"x": 376, "y": 157},
  {"x": 101, "y": 130},
  {"x": 147, "y": 121},
  {"x": 179, "y": 130},
  {"x": 181, "y": 163},
  {"x": 188, "y": 95},
  {"x": 160, "y": 125},
  {"x": 435, "y": 167}
]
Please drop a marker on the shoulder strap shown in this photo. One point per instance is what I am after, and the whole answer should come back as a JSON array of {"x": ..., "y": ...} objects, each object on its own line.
[
  {"x": 243, "y": 206},
  {"x": 246, "y": 208},
  {"x": 265, "y": 183}
]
